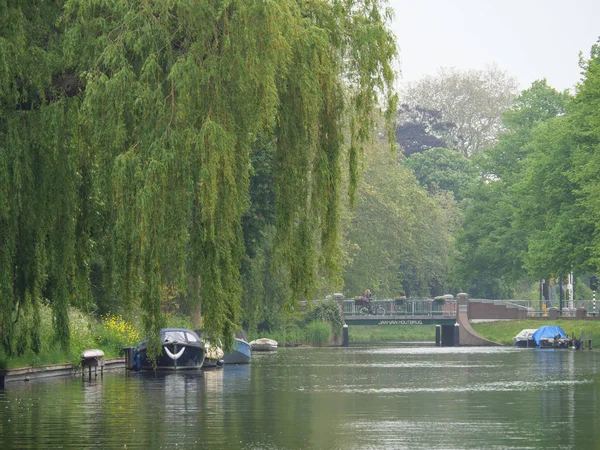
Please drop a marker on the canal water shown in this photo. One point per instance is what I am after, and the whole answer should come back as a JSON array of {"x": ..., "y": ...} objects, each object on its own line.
[{"x": 362, "y": 397}]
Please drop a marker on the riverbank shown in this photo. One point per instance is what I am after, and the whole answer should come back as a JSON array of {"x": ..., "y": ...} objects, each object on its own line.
[
  {"x": 108, "y": 332},
  {"x": 29, "y": 373},
  {"x": 112, "y": 338},
  {"x": 502, "y": 331}
]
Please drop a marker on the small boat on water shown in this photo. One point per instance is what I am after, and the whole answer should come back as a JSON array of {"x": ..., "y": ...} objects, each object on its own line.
[
  {"x": 525, "y": 338},
  {"x": 263, "y": 345},
  {"x": 214, "y": 356},
  {"x": 551, "y": 336},
  {"x": 241, "y": 353},
  {"x": 182, "y": 349}
]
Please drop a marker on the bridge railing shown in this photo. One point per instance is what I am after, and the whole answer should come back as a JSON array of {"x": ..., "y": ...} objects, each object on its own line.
[{"x": 403, "y": 307}]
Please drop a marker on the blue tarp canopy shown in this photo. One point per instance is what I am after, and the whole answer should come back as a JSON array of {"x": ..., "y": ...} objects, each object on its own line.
[{"x": 548, "y": 331}]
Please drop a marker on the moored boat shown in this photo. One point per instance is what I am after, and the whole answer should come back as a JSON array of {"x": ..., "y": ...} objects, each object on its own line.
[
  {"x": 263, "y": 345},
  {"x": 181, "y": 349},
  {"x": 551, "y": 336},
  {"x": 214, "y": 356},
  {"x": 240, "y": 354},
  {"x": 525, "y": 338}
]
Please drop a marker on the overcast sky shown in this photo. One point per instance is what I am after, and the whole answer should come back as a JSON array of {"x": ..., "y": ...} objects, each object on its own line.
[{"x": 529, "y": 39}]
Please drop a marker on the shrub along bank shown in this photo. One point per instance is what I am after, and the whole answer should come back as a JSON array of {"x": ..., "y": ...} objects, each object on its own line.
[
  {"x": 110, "y": 333},
  {"x": 318, "y": 327}
]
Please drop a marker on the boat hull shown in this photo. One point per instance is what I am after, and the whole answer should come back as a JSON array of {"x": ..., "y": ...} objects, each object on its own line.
[
  {"x": 210, "y": 363},
  {"x": 241, "y": 353},
  {"x": 182, "y": 349},
  {"x": 529, "y": 343},
  {"x": 556, "y": 343},
  {"x": 190, "y": 358}
]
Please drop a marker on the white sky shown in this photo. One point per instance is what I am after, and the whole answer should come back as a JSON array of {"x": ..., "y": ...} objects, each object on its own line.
[{"x": 529, "y": 39}]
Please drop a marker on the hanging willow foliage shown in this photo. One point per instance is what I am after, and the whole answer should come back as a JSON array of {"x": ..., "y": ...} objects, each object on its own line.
[{"x": 128, "y": 174}]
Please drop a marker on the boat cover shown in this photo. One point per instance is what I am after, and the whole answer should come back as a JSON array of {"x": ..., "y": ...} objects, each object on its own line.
[
  {"x": 525, "y": 335},
  {"x": 548, "y": 331}
]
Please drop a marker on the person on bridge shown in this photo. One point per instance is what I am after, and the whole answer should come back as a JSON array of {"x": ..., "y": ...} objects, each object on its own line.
[{"x": 368, "y": 294}]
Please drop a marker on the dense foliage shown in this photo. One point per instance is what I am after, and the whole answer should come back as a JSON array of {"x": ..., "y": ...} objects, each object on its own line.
[
  {"x": 534, "y": 213},
  {"x": 443, "y": 169},
  {"x": 399, "y": 239},
  {"x": 188, "y": 157},
  {"x": 127, "y": 131}
]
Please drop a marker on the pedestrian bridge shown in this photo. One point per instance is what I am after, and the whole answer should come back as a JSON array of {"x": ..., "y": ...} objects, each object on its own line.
[
  {"x": 452, "y": 316},
  {"x": 399, "y": 312}
]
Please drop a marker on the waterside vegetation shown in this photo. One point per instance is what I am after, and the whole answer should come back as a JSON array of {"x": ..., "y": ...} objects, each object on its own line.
[
  {"x": 129, "y": 136},
  {"x": 217, "y": 163}
]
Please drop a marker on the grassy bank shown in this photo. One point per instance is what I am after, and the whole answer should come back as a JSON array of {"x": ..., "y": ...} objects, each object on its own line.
[
  {"x": 366, "y": 333},
  {"x": 110, "y": 333},
  {"x": 501, "y": 331},
  {"x": 504, "y": 331}
]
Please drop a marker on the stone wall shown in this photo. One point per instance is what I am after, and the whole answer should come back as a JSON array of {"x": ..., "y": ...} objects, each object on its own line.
[
  {"x": 467, "y": 336},
  {"x": 494, "y": 310}
]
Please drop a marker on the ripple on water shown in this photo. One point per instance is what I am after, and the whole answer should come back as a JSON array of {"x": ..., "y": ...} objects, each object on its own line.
[{"x": 501, "y": 386}]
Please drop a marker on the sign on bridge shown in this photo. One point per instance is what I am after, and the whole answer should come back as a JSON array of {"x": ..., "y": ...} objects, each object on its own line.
[{"x": 401, "y": 321}]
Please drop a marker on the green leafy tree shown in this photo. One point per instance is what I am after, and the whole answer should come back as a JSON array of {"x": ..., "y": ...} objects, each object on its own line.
[
  {"x": 551, "y": 212},
  {"x": 490, "y": 248},
  {"x": 126, "y": 135},
  {"x": 538, "y": 103},
  {"x": 43, "y": 175},
  {"x": 494, "y": 240},
  {"x": 399, "y": 239},
  {"x": 442, "y": 169},
  {"x": 586, "y": 153},
  {"x": 471, "y": 103}
]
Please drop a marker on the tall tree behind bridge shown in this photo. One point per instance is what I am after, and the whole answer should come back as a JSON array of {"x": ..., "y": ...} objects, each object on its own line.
[
  {"x": 470, "y": 106},
  {"x": 399, "y": 239},
  {"x": 418, "y": 129},
  {"x": 505, "y": 206}
]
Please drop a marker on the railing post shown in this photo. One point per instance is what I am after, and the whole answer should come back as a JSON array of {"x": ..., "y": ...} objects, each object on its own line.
[{"x": 456, "y": 335}]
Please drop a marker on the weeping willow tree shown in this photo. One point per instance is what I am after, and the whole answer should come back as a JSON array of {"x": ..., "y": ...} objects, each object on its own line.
[{"x": 126, "y": 132}]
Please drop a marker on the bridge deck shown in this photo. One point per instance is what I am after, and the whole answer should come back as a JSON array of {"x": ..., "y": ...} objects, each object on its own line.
[{"x": 406, "y": 312}]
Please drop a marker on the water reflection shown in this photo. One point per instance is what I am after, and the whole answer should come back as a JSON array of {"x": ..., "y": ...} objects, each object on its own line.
[{"x": 364, "y": 397}]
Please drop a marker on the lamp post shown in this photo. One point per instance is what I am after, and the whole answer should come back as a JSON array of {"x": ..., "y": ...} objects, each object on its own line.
[
  {"x": 594, "y": 287},
  {"x": 541, "y": 294},
  {"x": 560, "y": 294},
  {"x": 570, "y": 290}
]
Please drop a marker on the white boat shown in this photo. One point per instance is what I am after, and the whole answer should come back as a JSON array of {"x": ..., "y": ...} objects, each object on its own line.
[
  {"x": 525, "y": 338},
  {"x": 263, "y": 345}
]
